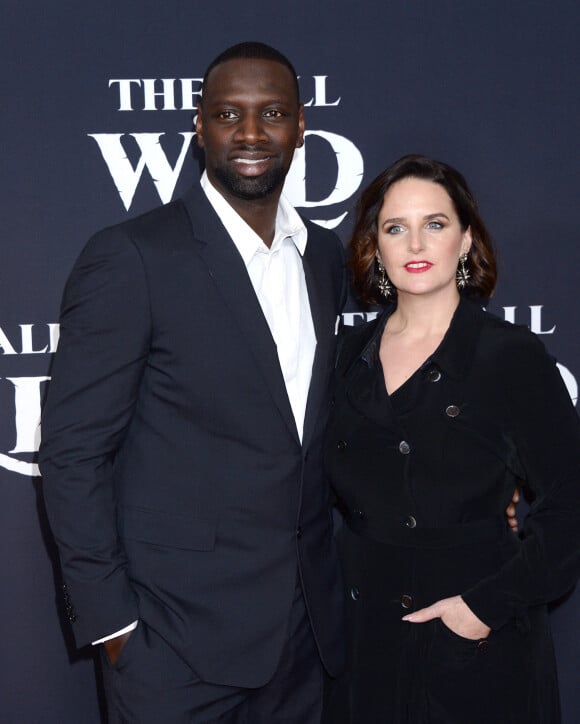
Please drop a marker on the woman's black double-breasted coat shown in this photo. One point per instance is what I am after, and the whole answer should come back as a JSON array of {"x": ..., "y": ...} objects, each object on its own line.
[{"x": 423, "y": 478}]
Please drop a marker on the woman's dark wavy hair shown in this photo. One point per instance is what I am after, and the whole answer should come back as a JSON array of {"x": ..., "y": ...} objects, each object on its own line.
[{"x": 363, "y": 243}]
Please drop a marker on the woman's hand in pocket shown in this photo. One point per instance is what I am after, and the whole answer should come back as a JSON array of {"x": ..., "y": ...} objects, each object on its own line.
[{"x": 455, "y": 614}]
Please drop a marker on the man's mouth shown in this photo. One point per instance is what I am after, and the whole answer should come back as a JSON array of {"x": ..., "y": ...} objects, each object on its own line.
[{"x": 251, "y": 165}]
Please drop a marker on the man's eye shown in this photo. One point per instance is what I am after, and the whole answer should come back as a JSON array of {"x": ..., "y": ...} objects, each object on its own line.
[
  {"x": 226, "y": 115},
  {"x": 273, "y": 113}
]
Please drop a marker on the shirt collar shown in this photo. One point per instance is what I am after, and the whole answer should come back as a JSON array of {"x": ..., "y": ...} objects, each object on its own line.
[{"x": 288, "y": 224}]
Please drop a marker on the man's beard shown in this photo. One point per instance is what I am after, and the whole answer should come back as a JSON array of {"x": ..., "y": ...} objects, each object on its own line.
[{"x": 250, "y": 188}]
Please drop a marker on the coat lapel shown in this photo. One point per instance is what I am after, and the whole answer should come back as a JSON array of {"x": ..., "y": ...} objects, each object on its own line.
[{"x": 229, "y": 274}]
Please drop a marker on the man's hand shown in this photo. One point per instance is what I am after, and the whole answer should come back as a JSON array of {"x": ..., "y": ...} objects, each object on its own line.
[
  {"x": 113, "y": 647},
  {"x": 456, "y": 615},
  {"x": 510, "y": 511}
]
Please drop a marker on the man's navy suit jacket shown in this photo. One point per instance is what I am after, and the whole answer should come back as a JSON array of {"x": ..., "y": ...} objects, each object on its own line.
[{"x": 176, "y": 485}]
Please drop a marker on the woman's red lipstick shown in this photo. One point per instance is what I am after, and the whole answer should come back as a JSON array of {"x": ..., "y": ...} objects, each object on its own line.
[{"x": 418, "y": 267}]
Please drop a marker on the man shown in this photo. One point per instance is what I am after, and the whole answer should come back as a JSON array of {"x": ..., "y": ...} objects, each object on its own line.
[{"x": 182, "y": 433}]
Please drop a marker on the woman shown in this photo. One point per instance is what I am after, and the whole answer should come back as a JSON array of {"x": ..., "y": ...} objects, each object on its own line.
[{"x": 440, "y": 411}]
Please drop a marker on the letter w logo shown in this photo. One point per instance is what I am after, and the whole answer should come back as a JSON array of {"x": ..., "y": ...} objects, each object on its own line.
[{"x": 152, "y": 156}]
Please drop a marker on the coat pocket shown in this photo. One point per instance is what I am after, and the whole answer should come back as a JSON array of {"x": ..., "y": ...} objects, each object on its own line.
[
  {"x": 454, "y": 693},
  {"x": 452, "y": 651},
  {"x": 455, "y": 638}
]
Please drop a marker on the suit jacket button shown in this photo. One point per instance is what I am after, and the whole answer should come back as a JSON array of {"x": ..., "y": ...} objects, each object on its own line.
[
  {"x": 354, "y": 593},
  {"x": 482, "y": 646},
  {"x": 299, "y": 532},
  {"x": 341, "y": 444},
  {"x": 406, "y": 601},
  {"x": 434, "y": 375},
  {"x": 410, "y": 522},
  {"x": 452, "y": 411},
  {"x": 359, "y": 514},
  {"x": 404, "y": 447}
]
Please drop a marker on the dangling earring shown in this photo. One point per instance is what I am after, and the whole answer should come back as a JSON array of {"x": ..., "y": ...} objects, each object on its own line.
[
  {"x": 384, "y": 283},
  {"x": 462, "y": 275}
]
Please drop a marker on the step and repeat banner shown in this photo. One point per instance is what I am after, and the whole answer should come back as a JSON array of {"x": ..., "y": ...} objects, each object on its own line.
[{"x": 97, "y": 125}]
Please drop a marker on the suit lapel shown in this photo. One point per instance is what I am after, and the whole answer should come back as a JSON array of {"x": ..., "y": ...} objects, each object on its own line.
[
  {"x": 322, "y": 317},
  {"x": 229, "y": 274}
]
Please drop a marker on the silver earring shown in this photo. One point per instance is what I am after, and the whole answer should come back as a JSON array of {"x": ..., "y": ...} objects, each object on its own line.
[
  {"x": 462, "y": 275},
  {"x": 384, "y": 283}
]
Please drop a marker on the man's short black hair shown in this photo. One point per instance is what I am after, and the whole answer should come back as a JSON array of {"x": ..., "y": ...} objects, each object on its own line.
[{"x": 251, "y": 50}]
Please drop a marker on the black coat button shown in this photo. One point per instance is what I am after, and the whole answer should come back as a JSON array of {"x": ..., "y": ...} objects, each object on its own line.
[
  {"x": 299, "y": 532},
  {"x": 354, "y": 593},
  {"x": 404, "y": 447},
  {"x": 410, "y": 522},
  {"x": 341, "y": 444},
  {"x": 358, "y": 514},
  {"x": 434, "y": 375},
  {"x": 452, "y": 411},
  {"x": 482, "y": 646},
  {"x": 406, "y": 601}
]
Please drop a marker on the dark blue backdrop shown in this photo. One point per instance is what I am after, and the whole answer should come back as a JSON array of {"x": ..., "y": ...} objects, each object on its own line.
[{"x": 490, "y": 87}]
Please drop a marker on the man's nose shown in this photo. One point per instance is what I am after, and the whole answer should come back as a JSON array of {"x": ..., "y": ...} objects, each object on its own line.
[{"x": 251, "y": 129}]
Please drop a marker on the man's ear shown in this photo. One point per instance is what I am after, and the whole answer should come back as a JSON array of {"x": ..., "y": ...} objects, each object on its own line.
[
  {"x": 199, "y": 126},
  {"x": 301, "y": 126}
]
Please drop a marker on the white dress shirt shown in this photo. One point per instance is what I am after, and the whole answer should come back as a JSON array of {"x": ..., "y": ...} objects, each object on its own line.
[{"x": 277, "y": 276}]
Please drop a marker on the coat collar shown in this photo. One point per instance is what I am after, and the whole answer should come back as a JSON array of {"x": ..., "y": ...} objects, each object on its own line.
[{"x": 456, "y": 350}]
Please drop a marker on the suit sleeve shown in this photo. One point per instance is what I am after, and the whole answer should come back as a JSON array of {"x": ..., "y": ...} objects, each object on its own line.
[
  {"x": 546, "y": 430},
  {"x": 102, "y": 352}
]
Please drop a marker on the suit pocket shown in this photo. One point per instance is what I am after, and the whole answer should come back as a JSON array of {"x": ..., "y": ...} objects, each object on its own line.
[
  {"x": 127, "y": 650},
  {"x": 167, "y": 529}
]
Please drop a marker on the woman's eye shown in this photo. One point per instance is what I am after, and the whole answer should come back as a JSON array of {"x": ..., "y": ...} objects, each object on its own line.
[
  {"x": 395, "y": 229},
  {"x": 434, "y": 225}
]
